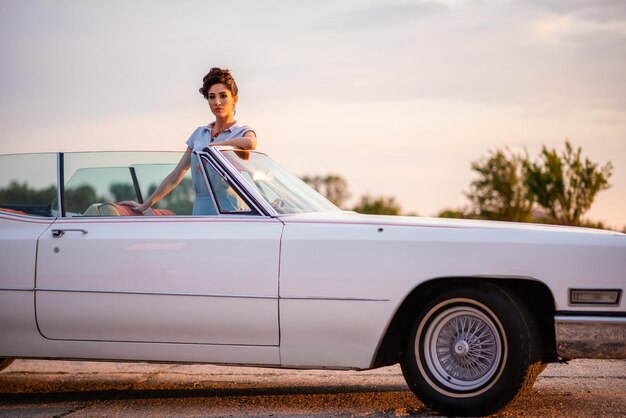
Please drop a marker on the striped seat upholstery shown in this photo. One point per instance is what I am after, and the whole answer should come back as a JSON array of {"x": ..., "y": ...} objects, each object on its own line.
[
  {"x": 19, "y": 212},
  {"x": 115, "y": 209}
]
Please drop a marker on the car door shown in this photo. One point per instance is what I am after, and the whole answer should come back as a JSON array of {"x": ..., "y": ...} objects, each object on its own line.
[{"x": 167, "y": 279}]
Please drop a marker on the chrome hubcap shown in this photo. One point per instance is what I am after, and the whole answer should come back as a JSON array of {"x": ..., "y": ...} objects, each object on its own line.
[
  {"x": 465, "y": 347},
  {"x": 462, "y": 348}
]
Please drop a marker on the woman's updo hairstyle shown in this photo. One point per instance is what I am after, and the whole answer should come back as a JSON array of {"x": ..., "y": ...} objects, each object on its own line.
[{"x": 218, "y": 76}]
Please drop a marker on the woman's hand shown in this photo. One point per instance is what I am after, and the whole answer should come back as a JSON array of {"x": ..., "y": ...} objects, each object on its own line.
[{"x": 135, "y": 207}]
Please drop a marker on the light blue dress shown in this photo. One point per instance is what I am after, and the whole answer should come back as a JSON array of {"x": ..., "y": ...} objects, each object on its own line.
[{"x": 200, "y": 138}]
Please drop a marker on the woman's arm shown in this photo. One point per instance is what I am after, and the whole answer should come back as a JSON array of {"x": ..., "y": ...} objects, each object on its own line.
[
  {"x": 172, "y": 180},
  {"x": 246, "y": 142}
]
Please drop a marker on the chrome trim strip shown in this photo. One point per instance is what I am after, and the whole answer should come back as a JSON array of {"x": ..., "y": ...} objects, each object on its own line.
[
  {"x": 590, "y": 337},
  {"x": 175, "y": 343},
  {"x": 169, "y": 218},
  {"x": 128, "y": 292},
  {"x": 332, "y": 299},
  {"x": 16, "y": 290},
  {"x": 242, "y": 296}
]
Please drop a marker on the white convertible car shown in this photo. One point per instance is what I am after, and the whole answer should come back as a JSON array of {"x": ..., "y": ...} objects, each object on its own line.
[{"x": 280, "y": 277}]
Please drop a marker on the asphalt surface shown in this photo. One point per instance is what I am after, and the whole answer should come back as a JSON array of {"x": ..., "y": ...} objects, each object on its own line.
[{"x": 34, "y": 388}]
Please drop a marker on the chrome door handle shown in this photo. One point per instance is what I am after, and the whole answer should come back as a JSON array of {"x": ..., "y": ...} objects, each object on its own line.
[{"x": 58, "y": 233}]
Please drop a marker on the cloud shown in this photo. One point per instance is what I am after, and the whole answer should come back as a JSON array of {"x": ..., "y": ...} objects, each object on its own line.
[
  {"x": 594, "y": 10},
  {"x": 384, "y": 14},
  {"x": 552, "y": 29},
  {"x": 556, "y": 29}
]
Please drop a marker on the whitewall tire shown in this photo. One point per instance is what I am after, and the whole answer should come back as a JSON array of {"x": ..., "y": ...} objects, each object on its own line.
[{"x": 470, "y": 349}]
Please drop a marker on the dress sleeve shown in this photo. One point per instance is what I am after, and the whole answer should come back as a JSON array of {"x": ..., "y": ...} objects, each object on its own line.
[
  {"x": 245, "y": 129},
  {"x": 192, "y": 138}
]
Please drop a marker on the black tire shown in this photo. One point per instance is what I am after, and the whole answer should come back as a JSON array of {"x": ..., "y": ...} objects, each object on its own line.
[
  {"x": 472, "y": 349},
  {"x": 5, "y": 362}
]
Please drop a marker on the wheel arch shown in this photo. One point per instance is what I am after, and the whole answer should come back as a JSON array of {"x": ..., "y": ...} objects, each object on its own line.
[{"x": 535, "y": 294}]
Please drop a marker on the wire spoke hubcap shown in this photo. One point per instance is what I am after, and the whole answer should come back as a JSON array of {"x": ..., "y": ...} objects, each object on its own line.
[{"x": 462, "y": 348}]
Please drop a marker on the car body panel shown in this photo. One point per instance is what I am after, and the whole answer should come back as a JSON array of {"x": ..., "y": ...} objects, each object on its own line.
[
  {"x": 210, "y": 281},
  {"x": 395, "y": 254},
  {"x": 18, "y": 253},
  {"x": 18, "y": 249},
  {"x": 361, "y": 268}
]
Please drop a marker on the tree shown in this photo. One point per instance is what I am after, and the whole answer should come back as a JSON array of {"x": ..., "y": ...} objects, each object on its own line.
[
  {"x": 22, "y": 193},
  {"x": 500, "y": 192},
  {"x": 378, "y": 205},
  {"x": 566, "y": 185},
  {"x": 454, "y": 213},
  {"x": 78, "y": 199},
  {"x": 179, "y": 200},
  {"x": 122, "y": 191},
  {"x": 333, "y": 186}
]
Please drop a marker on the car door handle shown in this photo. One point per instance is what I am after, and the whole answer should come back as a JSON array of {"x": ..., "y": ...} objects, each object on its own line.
[{"x": 58, "y": 233}]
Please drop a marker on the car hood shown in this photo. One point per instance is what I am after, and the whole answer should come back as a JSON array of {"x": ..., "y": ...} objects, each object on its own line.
[{"x": 353, "y": 218}]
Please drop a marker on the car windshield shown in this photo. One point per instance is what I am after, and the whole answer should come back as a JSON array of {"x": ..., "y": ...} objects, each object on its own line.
[{"x": 281, "y": 189}]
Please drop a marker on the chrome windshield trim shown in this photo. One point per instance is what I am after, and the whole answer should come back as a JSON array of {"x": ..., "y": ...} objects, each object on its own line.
[
  {"x": 242, "y": 184},
  {"x": 232, "y": 176},
  {"x": 130, "y": 292},
  {"x": 206, "y": 179}
]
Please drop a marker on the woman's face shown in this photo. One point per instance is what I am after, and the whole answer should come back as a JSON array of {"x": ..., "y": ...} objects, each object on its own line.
[{"x": 221, "y": 100}]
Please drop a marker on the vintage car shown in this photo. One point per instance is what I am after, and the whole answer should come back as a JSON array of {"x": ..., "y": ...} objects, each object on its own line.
[{"x": 278, "y": 276}]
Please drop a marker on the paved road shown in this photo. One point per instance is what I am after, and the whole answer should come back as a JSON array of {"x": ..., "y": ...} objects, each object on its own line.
[{"x": 583, "y": 388}]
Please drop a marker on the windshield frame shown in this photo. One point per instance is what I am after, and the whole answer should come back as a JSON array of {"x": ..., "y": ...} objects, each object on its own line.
[
  {"x": 213, "y": 154},
  {"x": 242, "y": 183}
]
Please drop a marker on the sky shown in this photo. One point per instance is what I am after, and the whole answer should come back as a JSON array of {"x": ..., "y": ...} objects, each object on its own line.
[{"x": 396, "y": 96}]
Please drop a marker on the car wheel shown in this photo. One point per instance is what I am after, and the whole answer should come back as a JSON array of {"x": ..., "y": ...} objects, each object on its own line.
[
  {"x": 5, "y": 362},
  {"x": 471, "y": 349}
]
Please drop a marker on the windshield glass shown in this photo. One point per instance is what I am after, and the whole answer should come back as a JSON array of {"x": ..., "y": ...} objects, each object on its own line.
[{"x": 281, "y": 189}]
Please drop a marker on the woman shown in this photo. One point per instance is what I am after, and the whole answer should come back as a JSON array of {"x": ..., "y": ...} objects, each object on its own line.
[{"x": 220, "y": 90}]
